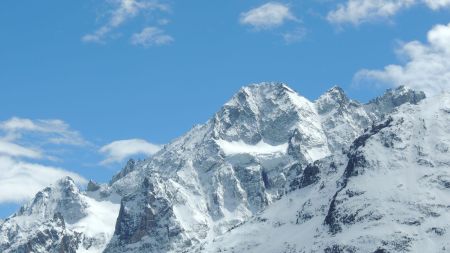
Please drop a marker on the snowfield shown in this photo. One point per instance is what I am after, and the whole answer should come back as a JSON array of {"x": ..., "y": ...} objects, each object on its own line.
[{"x": 240, "y": 147}]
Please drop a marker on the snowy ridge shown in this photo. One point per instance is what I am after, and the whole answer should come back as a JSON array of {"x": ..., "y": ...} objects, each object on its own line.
[{"x": 262, "y": 154}]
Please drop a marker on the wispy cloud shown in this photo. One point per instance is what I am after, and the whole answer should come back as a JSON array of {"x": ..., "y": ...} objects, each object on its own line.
[
  {"x": 56, "y": 131},
  {"x": 118, "y": 151},
  {"x": 361, "y": 11},
  {"x": 22, "y": 156},
  {"x": 267, "y": 16},
  {"x": 151, "y": 36},
  {"x": 14, "y": 150},
  {"x": 427, "y": 65},
  {"x": 122, "y": 11},
  {"x": 295, "y": 35}
]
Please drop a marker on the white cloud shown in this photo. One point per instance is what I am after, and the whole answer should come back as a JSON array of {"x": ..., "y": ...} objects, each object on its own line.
[
  {"x": 151, "y": 36},
  {"x": 427, "y": 65},
  {"x": 15, "y": 150},
  {"x": 360, "y": 11},
  {"x": 437, "y": 4},
  {"x": 123, "y": 10},
  {"x": 56, "y": 131},
  {"x": 20, "y": 181},
  {"x": 117, "y": 151},
  {"x": 21, "y": 140},
  {"x": 267, "y": 16}
]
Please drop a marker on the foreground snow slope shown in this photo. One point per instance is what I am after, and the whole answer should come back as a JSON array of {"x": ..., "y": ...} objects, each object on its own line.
[{"x": 248, "y": 158}]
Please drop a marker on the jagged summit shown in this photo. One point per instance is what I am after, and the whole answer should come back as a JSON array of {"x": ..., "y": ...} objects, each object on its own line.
[
  {"x": 262, "y": 89},
  {"x": 62, "y": 197},
  {"x": 336, "y": 91},
  {"x": 129, "y": 167},
  {"x": 333, "y": 99},
  {"x": 399, "y": 95},
  {"x": 393, "y": 98},
  {"x": 266, "y": 112}
]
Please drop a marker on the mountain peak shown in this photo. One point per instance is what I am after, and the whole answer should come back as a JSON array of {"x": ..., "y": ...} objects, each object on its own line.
[
  {"x": 336, "y": 88},
  {"x": 393, "y": 98},
  {"x": 63, "y": 197},
  {"x": 399, "y": 96},
  {"x": 129, "y": 167},
  {"x": 334, "y": 98},
  {"x": 259, "y": 91},
  {"x": 263, "y": 112},
  {"x": 267, "y": 87},
  {"x": 66, "y": 183}
]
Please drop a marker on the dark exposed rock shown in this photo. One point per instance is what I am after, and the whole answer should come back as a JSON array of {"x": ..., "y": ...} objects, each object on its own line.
[
  {"x": 304, "y": 214},
  {"x": 381, "y": 250},
  {"x": 92, "y": 186},
  {"x": 339, "y": 249},
  {"x": 437, "y": 231},
  {"x": 356, "y": 161},
  {"x": 399, "y": 243},
  {"x": 309, "y": 176}
]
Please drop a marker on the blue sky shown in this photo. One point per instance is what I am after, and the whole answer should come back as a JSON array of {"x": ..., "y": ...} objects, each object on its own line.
[{"x": 115, "y": 70}]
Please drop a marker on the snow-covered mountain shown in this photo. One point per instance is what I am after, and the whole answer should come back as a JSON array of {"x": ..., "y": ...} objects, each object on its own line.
[
  {"x": 390, "y": 192},
  {"x": 270, "y": 172}
]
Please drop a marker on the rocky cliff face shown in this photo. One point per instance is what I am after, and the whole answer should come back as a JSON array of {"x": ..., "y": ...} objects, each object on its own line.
[{"x": 265, "y": 146}]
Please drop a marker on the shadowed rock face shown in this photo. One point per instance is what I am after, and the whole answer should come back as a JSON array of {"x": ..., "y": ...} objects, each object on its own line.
[
  {"x": 145, "y": 214},
  {"x": 309, "y": 176},
  {"x": 266, "y": 143}
]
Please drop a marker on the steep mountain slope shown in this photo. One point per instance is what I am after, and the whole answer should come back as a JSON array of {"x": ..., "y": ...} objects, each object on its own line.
[
  {"x": 389, "y": 193},
  {"x": 254, "y": 151}
]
